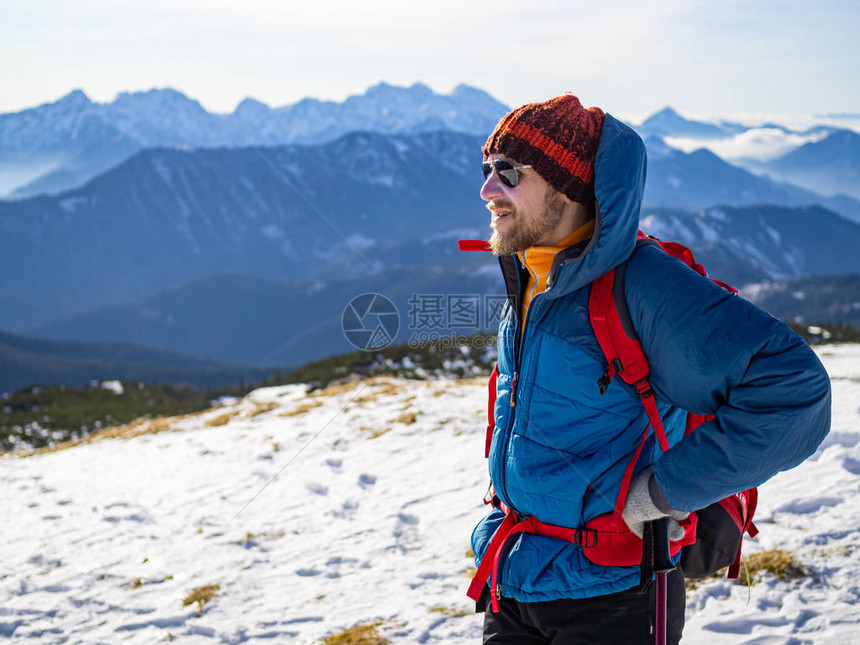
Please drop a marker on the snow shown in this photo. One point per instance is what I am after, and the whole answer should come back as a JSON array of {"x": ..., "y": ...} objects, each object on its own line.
[
  {"x": 315, "y": 513},
  {"x": 113, "y": 386},
  {"x": 70, "y": 204}
]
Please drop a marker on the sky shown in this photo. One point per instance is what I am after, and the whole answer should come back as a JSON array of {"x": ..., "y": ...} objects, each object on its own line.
[{"x": 737, "y": 57}]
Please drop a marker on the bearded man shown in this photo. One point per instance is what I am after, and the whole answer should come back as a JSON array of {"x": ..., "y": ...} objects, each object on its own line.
[{"x": 564, "y": 187}]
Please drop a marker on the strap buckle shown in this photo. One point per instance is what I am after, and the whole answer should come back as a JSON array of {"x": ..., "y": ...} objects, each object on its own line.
[
  {"x": 614, "y": 367},
  {"x": 643, "y": 388},
  {"x": 585, "y": 538}
]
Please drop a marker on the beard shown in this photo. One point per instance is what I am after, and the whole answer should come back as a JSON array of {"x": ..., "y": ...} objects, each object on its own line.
[{"x": 527, "y": 232}]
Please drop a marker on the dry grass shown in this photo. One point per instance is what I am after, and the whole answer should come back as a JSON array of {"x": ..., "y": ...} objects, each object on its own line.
[
  {"x": 334, "y": 390},
  {"x": 136, "y": 428},
  {"x": 379, "y": 433},
  {"x": 779, "y": 562},
  {"x": 221, "y": 419},
  {"x": 383, "y": 387},
  {"x": 250, "y": 537},
  {"x": 782, "y": 564},
  {"x": 201, "y": 595},
  {"x": 301, "y": 409},
  {"x": 358, "y": 635},
  {"x": 139, "y": 582},
  {"x": 263, "y": 407},
  {"x": 407, "y": 418},
  {"x": 450, "y": 612},
  {"x": 470, "y": 572}
]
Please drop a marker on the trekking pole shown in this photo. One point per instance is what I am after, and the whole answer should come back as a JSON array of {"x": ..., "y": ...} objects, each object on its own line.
[{"x": 662, "y": 566}]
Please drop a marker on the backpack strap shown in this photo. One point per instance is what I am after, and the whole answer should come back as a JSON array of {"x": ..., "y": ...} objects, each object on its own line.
[
  {"x": 626, "y": 359},
  {"x": 491, "y": 409}
]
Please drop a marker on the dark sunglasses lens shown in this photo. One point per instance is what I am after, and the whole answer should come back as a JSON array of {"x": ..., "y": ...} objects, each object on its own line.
[
  {"x": 509, "y": 176},
  {"x": 506, "y": 170}
]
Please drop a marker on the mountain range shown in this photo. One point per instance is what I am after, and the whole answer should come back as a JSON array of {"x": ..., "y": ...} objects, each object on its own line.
[
  {"x": 242, "y": 319},
  {"x": 28, "y": 361},
  {"x": 61, "y": 145},
  {"x": 166, "y": 217},
  {"x": 198, "y": 243}
]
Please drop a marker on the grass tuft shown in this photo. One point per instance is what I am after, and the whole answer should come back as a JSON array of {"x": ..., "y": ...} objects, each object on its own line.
[
  {"x": 201, "y": 595},
  {"x": 779, "y": 562},
  {"x": 358, "y": 635},
  {"x": 263, "y": 407},
  {"x": 220, "y": 420},
  {"x": 782, "y": 564},
  {"x": 450, "y": 612},
  {"x": 407, "y": 418},
  {"x": 301, "y": 409}
]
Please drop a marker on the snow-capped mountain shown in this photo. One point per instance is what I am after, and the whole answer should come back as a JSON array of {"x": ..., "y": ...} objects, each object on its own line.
[
  {"x": 305, "y": 514},
  {"x": 336, "y": 211},
  {"x": 166, "y": 217},
  {"x": 828, "y": 165},
  {"x": 668, "y": 123},
  {"x": 63, "y": 144},
  {"x": 756, "y": 243},
  {"x": 699, "y": 179}
]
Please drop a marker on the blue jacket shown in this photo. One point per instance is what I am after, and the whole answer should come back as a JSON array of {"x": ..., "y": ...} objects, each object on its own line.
[{"x": 560, "y": 453}]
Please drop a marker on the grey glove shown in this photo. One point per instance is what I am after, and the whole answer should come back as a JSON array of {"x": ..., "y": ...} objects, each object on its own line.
[{"x": 645, "y": 502}]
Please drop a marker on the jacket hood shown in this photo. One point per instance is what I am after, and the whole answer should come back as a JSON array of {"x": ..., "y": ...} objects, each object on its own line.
[{"x": 619, "y": 183}]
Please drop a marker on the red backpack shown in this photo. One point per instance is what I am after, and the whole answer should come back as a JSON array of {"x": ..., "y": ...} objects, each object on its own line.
[{"x": 713, "y": 536}]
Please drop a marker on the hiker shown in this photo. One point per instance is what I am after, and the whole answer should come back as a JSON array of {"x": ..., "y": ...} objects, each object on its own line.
[{"x": 564, "y": 186}]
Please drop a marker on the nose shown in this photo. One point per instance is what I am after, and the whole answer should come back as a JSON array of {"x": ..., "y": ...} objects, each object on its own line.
[{"x": 492, "y": 187}]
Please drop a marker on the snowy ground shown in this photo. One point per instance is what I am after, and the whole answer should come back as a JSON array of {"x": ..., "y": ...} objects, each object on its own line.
[{"x": 315, "y": 514}]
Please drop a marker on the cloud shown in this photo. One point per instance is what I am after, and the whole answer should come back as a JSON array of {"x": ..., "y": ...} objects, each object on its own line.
[{"x": 758, "y": 143}]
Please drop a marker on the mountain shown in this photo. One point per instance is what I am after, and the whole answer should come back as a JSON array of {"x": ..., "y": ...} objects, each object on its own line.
[
  {"x": 28, "y": 361},
  {"x": 831, "y": 298},
  {"x": 701, "y": 179},
  {"x": 756, "y": 243},
  {"x": 668, "y": 123},
  {"x": 167, "y": 217},
  {"x": 250, "y": 320},
  {"x": 58, "y": 146},
  {"x": 827, "y": 166},
  {"x": 262, "y": 322}
]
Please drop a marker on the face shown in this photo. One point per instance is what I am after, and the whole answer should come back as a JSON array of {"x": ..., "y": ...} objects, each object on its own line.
[{"x": 525, "y": 215}]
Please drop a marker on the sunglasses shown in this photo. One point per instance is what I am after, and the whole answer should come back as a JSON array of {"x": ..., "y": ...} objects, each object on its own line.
[{"x": 506, "y": 170}]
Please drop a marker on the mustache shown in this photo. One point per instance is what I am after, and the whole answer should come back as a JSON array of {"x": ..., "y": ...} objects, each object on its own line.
[{"x": 501, "y": 204}]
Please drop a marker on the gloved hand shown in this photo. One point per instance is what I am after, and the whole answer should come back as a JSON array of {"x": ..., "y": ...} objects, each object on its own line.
[{"x": 645, "y": 502}]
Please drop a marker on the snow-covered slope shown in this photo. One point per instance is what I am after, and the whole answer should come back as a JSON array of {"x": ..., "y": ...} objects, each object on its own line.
[{"x": 316, "y": 513}]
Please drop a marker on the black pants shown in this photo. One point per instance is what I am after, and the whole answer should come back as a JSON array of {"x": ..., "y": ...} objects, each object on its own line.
[{"x": 626, "y": 618}]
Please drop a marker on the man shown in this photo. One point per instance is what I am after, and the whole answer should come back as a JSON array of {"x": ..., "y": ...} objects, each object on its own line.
[{"x": 564, "y": 186}]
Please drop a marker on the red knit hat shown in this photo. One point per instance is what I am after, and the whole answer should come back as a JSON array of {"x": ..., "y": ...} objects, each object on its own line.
[{"x": 558, "y": 138}]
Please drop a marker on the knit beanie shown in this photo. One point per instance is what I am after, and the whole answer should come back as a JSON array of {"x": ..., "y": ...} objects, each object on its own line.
[{"x": 558, "y": 138}]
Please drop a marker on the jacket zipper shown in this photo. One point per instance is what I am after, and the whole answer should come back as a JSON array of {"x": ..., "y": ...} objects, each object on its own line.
[{"x": 518, "y": 343}]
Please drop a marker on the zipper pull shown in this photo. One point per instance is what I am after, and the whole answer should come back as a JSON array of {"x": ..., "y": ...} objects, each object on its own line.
[{"x": 514, "y": 389}]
